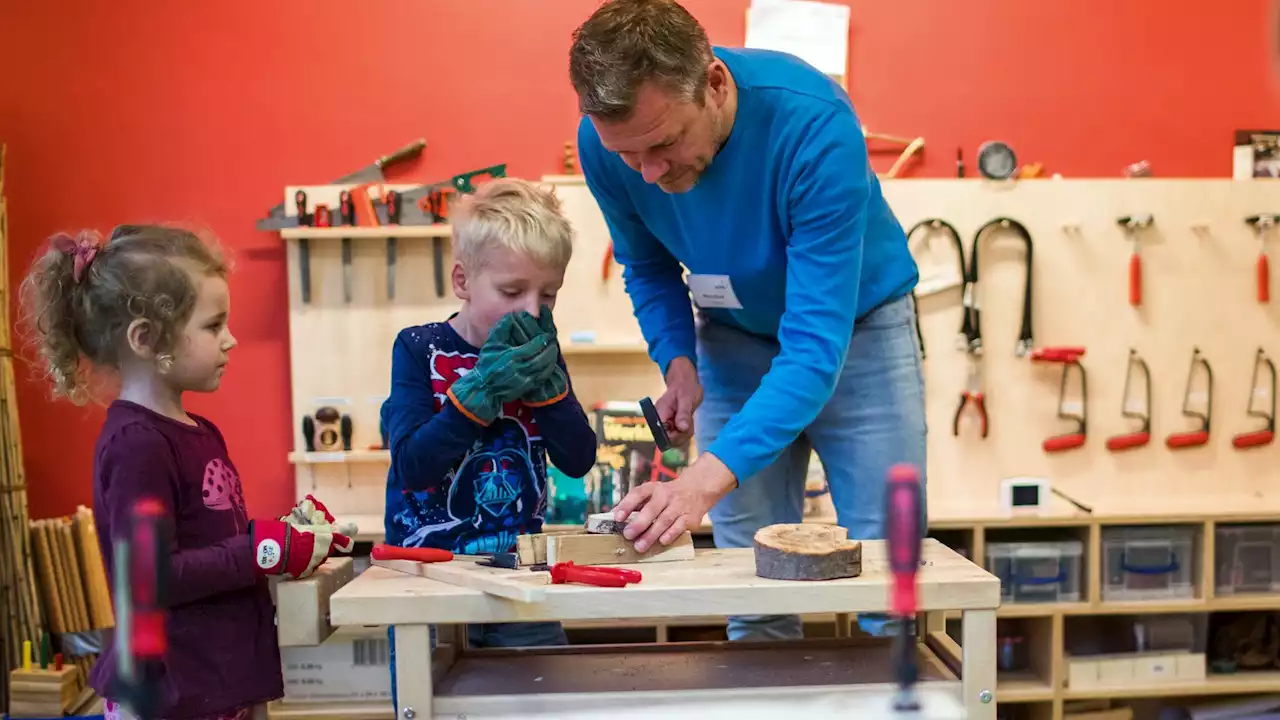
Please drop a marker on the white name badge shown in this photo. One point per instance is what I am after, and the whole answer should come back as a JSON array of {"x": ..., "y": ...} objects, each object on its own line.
[{"x": 713, "y": 291}]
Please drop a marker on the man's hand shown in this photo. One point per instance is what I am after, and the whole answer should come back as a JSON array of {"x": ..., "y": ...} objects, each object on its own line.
[
  {"x": 664, "y": 510},
  {"x": 683, "y": 396}
]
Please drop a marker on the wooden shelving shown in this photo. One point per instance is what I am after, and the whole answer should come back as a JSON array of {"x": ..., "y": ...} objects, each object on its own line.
[
  {"x": 340, "y": 457},
  {"x": 357, "y": 233}
]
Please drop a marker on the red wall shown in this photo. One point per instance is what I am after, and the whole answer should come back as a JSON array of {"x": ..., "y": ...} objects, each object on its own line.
[{"x": 133, "y": 111}]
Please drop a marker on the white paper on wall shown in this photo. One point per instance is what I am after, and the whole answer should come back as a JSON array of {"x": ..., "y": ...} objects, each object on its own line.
[{"x": 816, "y": 32}]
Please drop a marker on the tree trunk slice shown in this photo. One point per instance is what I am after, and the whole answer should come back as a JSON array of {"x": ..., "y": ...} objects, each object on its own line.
[
  {"x": 604, "y": 524},
  {"x": 806, "y": 551}
]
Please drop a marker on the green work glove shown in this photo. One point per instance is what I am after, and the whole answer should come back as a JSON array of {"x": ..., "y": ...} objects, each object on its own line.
[
  {"x": 505, "y": 371},
  {"x": 554, "y": 385}
]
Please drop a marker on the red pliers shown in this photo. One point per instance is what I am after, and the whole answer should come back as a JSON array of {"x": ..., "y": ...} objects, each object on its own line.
[
  {"x": 567, "y": 572},
  {"x": 972, "y": 394}
]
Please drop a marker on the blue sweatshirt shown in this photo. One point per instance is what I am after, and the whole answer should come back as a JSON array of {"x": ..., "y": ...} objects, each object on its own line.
[
  {"x": 455, "y": 484},
  {"x": 792, "y": 213}
]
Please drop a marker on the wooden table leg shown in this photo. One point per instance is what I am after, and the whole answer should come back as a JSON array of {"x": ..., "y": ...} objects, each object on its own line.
[
  {"x": 978, "y": 647},
  {"x": 413, "y": 672}
]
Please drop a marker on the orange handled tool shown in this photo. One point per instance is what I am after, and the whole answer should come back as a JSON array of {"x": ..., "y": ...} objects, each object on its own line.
[
  {"x": 1195, "y": 438},
  {"x": 1267, "y": 433},
  {"x": 1261, "y": 224},
  {"x": 1132, "y": 224}
]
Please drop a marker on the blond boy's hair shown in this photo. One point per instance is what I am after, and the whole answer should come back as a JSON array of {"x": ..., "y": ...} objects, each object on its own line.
[{"x": 515, "y": 214}]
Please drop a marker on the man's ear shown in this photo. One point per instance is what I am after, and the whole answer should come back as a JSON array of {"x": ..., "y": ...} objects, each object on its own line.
[
  {"x": 141, "y": 336},
  {"x": 461, "y": 289},
  {"x": 718, "y": 81}
]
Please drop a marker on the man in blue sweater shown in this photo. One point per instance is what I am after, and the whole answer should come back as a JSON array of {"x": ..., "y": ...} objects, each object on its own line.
[{"x": 749, "y": 169}]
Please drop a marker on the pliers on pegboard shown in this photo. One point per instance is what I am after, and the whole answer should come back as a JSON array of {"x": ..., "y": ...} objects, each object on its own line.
[{"x": 972, "y": 395}]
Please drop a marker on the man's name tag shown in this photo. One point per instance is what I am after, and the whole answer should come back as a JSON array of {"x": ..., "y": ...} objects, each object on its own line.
[{"x": 713, "y": 291}]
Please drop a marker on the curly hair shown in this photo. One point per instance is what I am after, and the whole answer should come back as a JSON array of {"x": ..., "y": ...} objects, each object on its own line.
[{"x": 80, "y": 296}]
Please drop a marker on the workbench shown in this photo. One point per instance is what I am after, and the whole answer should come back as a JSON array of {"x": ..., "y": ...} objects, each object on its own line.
[{"x": 816, "y": 677}]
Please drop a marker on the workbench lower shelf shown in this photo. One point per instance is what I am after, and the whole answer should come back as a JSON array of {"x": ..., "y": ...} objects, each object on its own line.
[{"x": 519, "y": 682}]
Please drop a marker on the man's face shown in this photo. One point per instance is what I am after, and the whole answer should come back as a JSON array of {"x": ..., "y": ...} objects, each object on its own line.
[{"x": 669, "y": 141}]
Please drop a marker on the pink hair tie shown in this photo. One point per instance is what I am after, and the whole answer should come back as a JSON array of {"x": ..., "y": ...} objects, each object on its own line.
[{"x": 83, "y": 247}]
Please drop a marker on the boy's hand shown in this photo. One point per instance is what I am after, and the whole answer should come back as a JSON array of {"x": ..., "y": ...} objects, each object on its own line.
[
  {"x": 554, "y": 386},
  {"x": 504, "y": 372}
]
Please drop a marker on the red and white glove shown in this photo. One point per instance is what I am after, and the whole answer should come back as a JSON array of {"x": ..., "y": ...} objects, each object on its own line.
[
  {"x": 294, "y": 551},
  {"x": 312, "y": 513}
]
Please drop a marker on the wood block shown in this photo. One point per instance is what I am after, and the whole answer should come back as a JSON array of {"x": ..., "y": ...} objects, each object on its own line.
[
  {"x": 529, "y": 587},
  {"x": 42, "y": 693},
  {"x": 532, "y": 549},
  {"x": 806, "y": 551},
  {"x": 302, "y": 606},
  {"x": 591, "y": 549}
]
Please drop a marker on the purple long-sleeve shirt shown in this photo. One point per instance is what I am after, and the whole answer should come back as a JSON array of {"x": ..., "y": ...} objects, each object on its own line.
[{"x": 223, "y": 653}]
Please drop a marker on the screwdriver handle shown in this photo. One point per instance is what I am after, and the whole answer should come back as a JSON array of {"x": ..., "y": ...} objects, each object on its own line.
[
  {"x": 903, "y": 532},
  {"x": 1264, "y": 279},
  {"x": 1135, "y": 279},
  {"x": 1129, "y": 441},
  {"x": 426, "y": 555},
  {"x": 1253, "y": 439},
  {"x": 1058, "y": 443},
  {"x": 392, "y": 199},
  {"x": 1187, "y": 439}
]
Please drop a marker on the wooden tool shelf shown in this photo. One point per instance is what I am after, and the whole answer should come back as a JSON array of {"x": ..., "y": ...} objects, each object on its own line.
[
  {"x": 440, "y": 230},
  {"x": 720, "y": 580}
]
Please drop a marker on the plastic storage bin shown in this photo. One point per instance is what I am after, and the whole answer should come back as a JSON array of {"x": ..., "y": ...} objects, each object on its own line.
[
  {"x": 1037, "y": 571},
  {"x": 1247, "y": 559},
  {"x": 1148, "y": 563}
]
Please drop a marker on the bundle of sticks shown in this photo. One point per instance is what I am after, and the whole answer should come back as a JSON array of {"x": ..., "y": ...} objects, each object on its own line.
[
  {"x": 72, "y": 580},
  {"x": 19, "y": 609}
]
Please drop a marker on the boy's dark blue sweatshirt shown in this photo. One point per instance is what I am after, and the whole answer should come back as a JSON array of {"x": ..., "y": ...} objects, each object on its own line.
[{"x": 455, "y": 484}]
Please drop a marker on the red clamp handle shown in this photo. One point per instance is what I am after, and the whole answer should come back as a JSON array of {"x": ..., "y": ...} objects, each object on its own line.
[
  {"x": 1187, "y": 439},
  {"x": 1057, "y": 354},
  {"x": 1126, "y": 442},
  {"x": 1253, "y": 439},
  {"x": 562, "y": 573},
  {"x": 1058, "y": 443}
]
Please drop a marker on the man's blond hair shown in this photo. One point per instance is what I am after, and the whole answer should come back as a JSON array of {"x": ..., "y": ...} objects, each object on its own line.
[{"x": 515, "y": 214}]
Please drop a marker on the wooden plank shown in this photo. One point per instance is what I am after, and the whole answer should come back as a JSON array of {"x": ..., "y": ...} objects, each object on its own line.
[
  {"x": 532, "y": 549},
  {"x": 715, "y": 582},
  {"x": 302, "y": 606},
  {"x": 978, "y": 650},
  {"x": 592, "y": 549},
  {"x": 530, "y": 590}
]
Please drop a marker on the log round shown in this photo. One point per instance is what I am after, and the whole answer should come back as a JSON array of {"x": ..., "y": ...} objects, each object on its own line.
[{"x": 806, "y": 551}]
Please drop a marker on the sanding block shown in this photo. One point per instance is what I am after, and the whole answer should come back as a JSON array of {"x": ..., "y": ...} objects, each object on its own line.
[{"x": 604, "y": 524}]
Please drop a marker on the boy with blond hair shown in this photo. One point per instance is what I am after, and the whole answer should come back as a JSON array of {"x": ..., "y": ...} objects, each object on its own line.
[{"x": 480, "y": 401}]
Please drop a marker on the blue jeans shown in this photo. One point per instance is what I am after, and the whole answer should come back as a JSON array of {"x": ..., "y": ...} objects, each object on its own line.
[
  {"x": 497, "y": 635},
  {"x": 874, "y": 419}
]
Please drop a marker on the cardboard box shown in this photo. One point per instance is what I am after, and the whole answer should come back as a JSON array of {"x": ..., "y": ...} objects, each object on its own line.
[{"x": 352, "y": 664}]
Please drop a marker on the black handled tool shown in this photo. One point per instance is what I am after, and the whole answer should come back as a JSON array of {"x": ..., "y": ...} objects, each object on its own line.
[
  {"x": 393, "y": 218},
  {"x": 436, "y": 206},
  {"x": 304, "y": 247},
  {"x": 660, "y": 437},
  {"x": 971, "y": 304},
  {"x": 347, "y": 213}
]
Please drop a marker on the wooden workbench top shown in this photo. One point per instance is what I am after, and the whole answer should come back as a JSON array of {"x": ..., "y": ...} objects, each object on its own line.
[{"x": 716, "y": 582}]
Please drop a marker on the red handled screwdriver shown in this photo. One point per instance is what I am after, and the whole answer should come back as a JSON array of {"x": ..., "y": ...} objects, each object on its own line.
[
  {"x": 903, "y": 530},
  {"x": 142, "y": 569}
]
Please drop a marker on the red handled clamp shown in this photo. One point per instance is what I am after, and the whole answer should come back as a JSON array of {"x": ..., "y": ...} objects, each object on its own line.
[
  {"x": 1195, "y": 438},
  {"x": 1267, "y": 433},
  {"x": 1142, "y": 435},
  {"x": 567, "y": 572},
  {"x": 1057, "y": 354}
]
